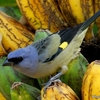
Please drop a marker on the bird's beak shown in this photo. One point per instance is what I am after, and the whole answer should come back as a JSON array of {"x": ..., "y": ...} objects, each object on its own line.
[{"x": 6, "y": 63}]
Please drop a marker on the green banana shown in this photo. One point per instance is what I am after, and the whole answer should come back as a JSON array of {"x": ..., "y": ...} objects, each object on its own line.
[
  {"x": 40, "y": 34},
  {"x": 22, "y": 91},
  {"x": 73, "y": 77},
  {"x": 8, "y": 76}
]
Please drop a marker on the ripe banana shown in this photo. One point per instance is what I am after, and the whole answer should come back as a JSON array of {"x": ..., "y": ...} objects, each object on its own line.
[
  {"x": 58, "y": 91},
  {"x": 88, "y": 11},
  {"x": 73, "y": 9},
  {"x": 2, "y": 97},
  {"x": 14, "y": 34},
  {"x": 2, "y": 50},
  {"x": 97, "y": 8},
  {"x": 91, "y": 82},
  {"x": 22, "y": 91},
  {"x": 76, "y": 70},
  {"x": 8, "y": 76},
  {"x": 66, "y": 11},
  {"x": 42, "y": 14}
]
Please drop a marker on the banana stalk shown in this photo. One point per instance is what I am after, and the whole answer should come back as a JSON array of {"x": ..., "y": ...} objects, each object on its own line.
[
  {"x": 58, "y": 91},
  {"x": 22, "y": 91},
  {"x": 8, "y": 76},
  {"x": 91, "y": 82},
  {"x": 41, "y": 14},
  {"x": 74, "y": 75},
  {"x": 14, "y": 34}
]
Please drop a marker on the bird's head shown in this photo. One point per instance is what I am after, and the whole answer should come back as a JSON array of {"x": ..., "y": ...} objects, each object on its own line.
[{"x": 22, "y": 59}]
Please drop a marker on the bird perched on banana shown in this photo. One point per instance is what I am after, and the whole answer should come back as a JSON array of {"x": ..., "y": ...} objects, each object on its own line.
[{"x": 35, "y": 60}]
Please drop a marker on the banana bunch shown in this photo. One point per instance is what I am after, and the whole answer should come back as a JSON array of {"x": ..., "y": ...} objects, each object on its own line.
[
  {"x": 91, "y": 82},
  {"x": 53, "y": 15},
  {"x": 58, "y": 14},
  {"x": 13, "y": 35},
  {"x": 58, "y": 91}
]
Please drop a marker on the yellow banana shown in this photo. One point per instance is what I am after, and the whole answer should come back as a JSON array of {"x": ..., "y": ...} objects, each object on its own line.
[
  {"x": 41, "y": 14},
  {"x": 97, "y": 8},
  {"x": 76, "y": 10},
  {"x": 67, "y": 12},
  {"x": 2, "y": 97},
  {"x": 91, "y": 82},
  {"x": 87, "y": 8},
  {"x": 88, "y": 11},
  {"x": 82, "y": 10},
  {"x": 2, "y": 50},
  {"x": 58, "y": 91},
  {"x": 15, "y": 35}
]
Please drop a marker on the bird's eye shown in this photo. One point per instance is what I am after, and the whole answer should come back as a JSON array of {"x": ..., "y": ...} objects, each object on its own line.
[{"x": 15, "y": 59}]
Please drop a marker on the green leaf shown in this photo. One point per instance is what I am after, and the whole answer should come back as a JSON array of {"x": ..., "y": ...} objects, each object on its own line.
[
  {"x": 8, "y": 3},
  {"x": 95, "y": 29},
  {"x": 12, "y": 11}
]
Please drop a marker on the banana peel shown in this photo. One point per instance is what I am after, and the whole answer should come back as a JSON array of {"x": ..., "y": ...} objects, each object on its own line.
[
  {"x": 91, "y": 82},
  {"x": 2, "y": 97},
  {"x": 58, "y": 91},
  {"x": 2, "y": 50}
]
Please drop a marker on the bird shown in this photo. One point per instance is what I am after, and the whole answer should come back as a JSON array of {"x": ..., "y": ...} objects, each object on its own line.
[{"x": 44, "y": 57}]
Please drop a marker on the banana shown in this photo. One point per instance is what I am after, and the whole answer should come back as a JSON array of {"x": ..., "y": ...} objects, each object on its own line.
[
  {"x": 58, "y": 91},
  {"x": 2, "y": 50},
  {"x": 14, "y": 34},
  {"x": 91, "y": 82},
  {"x": 87, "y": 8},
  {"x": 74, "y": 7},
  {"x": 97, "y": 8},
  {"x": 88, "y": 11},
  {"x": 22, "y": 91},
  {"x": 41, "y": 14},
  {"x": 67, "y": 12},
  {"x": 76, "y": 70},
  {"x": 8, "y": 76},
  {"x": 2, "y": 97}
]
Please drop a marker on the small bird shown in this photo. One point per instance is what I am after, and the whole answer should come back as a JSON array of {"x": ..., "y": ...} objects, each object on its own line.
[{"x": 42, "y": 58}]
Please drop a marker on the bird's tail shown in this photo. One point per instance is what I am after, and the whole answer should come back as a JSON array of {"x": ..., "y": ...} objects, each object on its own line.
[{"x": 88, "y": 22}]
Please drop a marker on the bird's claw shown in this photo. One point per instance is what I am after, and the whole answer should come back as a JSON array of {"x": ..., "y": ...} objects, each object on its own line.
[{"x": 49, "y": 83}]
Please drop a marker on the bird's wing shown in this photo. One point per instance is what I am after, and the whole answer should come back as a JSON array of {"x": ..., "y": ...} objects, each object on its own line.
[
  {"x": 66, "y": 36},
  {"x": 47, "y": 47}
]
